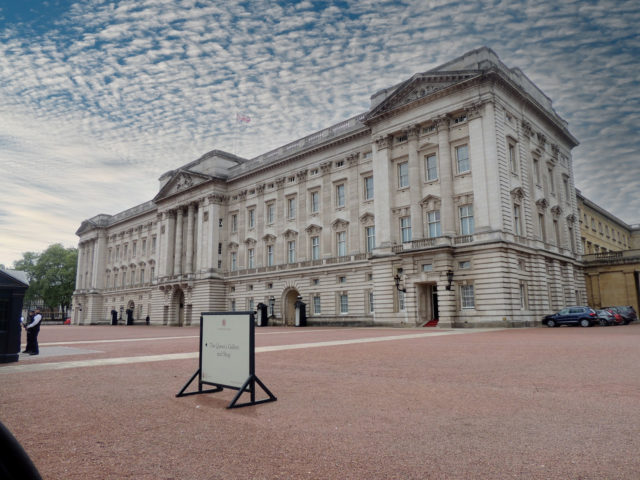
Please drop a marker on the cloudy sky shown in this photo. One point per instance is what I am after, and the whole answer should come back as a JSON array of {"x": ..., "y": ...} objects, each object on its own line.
[{"x": 99, "y": 98}]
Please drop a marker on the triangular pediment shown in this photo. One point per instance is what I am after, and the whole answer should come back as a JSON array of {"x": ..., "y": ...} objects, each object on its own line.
[
  {"x": 420, "y": 86},
  {"x": 181, "y": 181}
]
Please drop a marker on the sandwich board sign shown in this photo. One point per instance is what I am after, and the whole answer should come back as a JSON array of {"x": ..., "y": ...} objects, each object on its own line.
[{"x": 227, "y": 357}]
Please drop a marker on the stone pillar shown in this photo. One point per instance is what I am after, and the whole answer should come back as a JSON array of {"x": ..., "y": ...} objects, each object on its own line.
[
  {"x": 201, "y": 235},
  {"x": 100, "y": 260},
  {"x": 213, "y": 231},
  {"x": 90, "y": 262},
  {"x": 188, "y": 268},
  {"x": 326, "y": 246},
  {"x": 177, "y": 258},
  {"x": 352, "y": 190},
  {"x": 170, "y": 239},
  {"x": 79, "y": 268},
  {"x": 382, "y": 191},
  {"x": 445, "y": 164},
  {"x": 415, "y": 183},
  {"x": 487, "y": 206}
]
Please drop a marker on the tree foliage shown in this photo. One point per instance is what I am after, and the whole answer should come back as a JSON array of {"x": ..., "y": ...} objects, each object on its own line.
[{"x": 52, "y": 275}]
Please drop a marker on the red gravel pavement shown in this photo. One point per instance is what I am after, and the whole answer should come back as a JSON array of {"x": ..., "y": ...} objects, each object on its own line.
[{"x": 520, "y": 404}]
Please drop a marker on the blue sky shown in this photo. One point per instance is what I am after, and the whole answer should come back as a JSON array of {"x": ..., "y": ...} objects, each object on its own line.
[{"x": 99, "y": 98}]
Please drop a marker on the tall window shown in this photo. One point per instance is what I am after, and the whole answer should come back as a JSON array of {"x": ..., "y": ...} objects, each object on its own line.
[
  {"x": 291, "y": 208},
  {"x": 536, "y": 171},
  {"x": 271, "y": 213},
  {"x": 523, "y": 296},
  {"x": 543, "y": 230},
  {"x": 405, "y": 229},
  {"x": 513, "y": 163},
  {"x": 466, "y": 220},
  {"x": 315, "y": 248},
  {"x": 144, "y": 246},
  {"x": 517, "y": 220},
  {"x": 403, "y": 174},
  {"x": 368, "y": 188},
  {"x": 556, "y": 231},
  {"x": 402, "y": 304},
  {"x": 135, "y": 249},
  {"x": 153, "y": 244},
  {"x": 341, "y": 242},
  {"x": 433, "y": 219},
  {"x": 466, "y": 296},
  {"x": 370, "y": 233},
  {"x": 552, "y": 186},
  {"x": 431, "y": 167},
  {"x": 141, "y": 276},
  {"x": 371, "y": 304},
  {"x": 251, "y": 214},
  {"x": 269, "y": 255},
  {"x": 462, "y": 158},
  {"x": 317, "y": 309},
  {"x": 291, "y": 251},
  {"x": 315, "y": 201},
  {"x": 234, "y": 261},
  {"x": 234, "y": 222},
  {"x": 152, "y": 273},
  {"x": 251, "y": 254},
  {"x": 344, "y": 303},
  {"x": 340, "y": 195}
]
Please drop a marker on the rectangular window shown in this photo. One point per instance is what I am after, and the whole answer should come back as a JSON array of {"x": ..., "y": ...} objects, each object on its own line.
[
  {"x": 126, "y": 250},
  {"x": 291, "y": 251},
  {"x": 271, "y": 213},
  {"x": 251, "y": 258},
  {"x": 315, "y": 248},
  {"x": 368, "y": 188},
  {"x": 252, "y": 305},
  {"x": 291, "y": 208},
  {"x": 153, "y": 244},
  {"x": 556, "y": 231},
  {"x": 144, "y": 246},
  {"x": 403, "y": 175},
  {"x": 234, "y": 223},
  {"x": 370, "y": 234},
  {"x": 234, "y": 261},
  {"x": 340, "y": 195},
  {"x": 427, "y": 267},
  {"x": 543, "y": 230},
  {"x": 233, "y": 305},
  {"x": 371, "y": 304},
  {"x": 462, "y": 159},
  {"x": 433, "y": 219},
  {"x": 513, "y": 164},
  {"x": 251, "y": 217},
  {"x": 141, "y": 276},
  {"x": 405, "y": 229},
  {"x": 523, "y": 296},
  {"x": 315, "y": 202},
  {"x": 341, "y": 243},
  {"x": 118, "y": 253},
  {"x": 566, "y": 189},
  {"x": 466, "y": 220},
  {"x": 344, "y": 303},
  {"x": 464, "y": 265},
  {"x": 431, "y": 167},
  {"x": 552, "y": 186},
  {"x": 402, "y": 304},
  {"x": 219, "y": 249},
  {"x": 152, "y": 273},
  {"x": 536, "y": 171},
  {"x": 317, "y": 309},
  {"x": 517, "y": 221},
  {"x": 466, "y": 296},
  {"x": 269, "y": 255},
  {"x": 135, "y": 248}
]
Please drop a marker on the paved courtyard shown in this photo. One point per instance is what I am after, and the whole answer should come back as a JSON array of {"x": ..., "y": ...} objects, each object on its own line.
[{"x": 99, "y": 403}]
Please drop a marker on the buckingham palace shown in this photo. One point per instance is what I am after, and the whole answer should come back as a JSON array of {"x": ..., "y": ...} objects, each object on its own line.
[{"x": 450, "y": 201}]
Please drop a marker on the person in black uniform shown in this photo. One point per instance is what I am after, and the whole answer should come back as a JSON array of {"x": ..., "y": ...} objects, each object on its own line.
[
  {"x": 129, "y": 316},
  {"x": 33, "y": 328},
  {"x": 114, "y": 317}
]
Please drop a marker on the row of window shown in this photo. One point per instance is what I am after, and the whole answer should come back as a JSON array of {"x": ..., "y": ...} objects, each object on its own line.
[
  {"x": 603, "y": 230},
  {"x": 134, "y": 250},
  {"x": 136, "y": 277}
]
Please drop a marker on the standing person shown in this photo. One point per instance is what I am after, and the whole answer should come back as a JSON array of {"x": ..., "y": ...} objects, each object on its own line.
[
  {"x": 23, "y": 324},
  {"x": 32, "y": 331},
  {"x": 114, "y": 317}
]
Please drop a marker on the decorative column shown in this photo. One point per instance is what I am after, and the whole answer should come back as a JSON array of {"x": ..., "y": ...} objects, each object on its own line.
[
  {"x": 382, "y": 191},
  {"x": 79, "y": 269},
  {"x": 327, "y": 233},
  {"x": 352, "y": 189},
  {"x": 100, "y": 260},
  {"x": 487, "y": 207},
  {"x": 201, "y": 235},
  {"x": 188, "y": 268},
  {"x": 170, "y": 236},
  {"x": 445, "y": 164},
  {"x": 177, "y": 259},
  {"x": 415, "y": 183}
]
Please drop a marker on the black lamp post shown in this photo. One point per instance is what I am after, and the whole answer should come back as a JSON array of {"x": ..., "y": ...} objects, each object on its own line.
[
  {"x": 449, "y": 278},
  {"x": 396, "y": 278}
]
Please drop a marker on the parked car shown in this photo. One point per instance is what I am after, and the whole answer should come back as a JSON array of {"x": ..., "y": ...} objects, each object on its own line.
[
  {"x": 578, "y": 315},
  {"x": 627, "y": 312},
  {"x": 608, "y": 317}
]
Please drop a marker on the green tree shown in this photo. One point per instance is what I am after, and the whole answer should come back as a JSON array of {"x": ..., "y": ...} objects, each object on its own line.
[{"x": 52, "y": 275}]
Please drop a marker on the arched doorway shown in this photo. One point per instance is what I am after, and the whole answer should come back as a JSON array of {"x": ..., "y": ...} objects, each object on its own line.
[
  {"x": 178, "y": 308},
  {"x": 289, "y": 306}
]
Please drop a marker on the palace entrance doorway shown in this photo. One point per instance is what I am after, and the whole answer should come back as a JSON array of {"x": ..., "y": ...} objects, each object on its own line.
[
  {"x": 427, "y": 297},
  {"x": 289, "y": 303}
]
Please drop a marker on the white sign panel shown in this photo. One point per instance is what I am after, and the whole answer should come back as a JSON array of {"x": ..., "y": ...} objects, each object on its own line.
[{"x": 225, "y": 345}]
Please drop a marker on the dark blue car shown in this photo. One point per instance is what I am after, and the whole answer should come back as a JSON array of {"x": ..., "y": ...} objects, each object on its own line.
[{"x": 583, "y": 316}]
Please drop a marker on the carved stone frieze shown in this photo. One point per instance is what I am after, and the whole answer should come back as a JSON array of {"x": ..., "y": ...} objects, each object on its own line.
[
  {"x": 290, "y": 234},
  {"x": 527, "y": 129},
  {"x": 302, "y": 175},
  {"x": 556, "y": 210},
  {"x": 367, "y": 218},
  {"x": 339, "y": 224},
  {"x": 517, "y": 194},
  {"x": 542, "y": 203},
  {"x": 280, "y": 182},
  {"x": 325, "y": 167},
  {"x": 260, "y": 188},
  {"x": 184, "y": 181},
  {"x": 383, "y": 142},
  {"x": 313, "y": 229},
  {"x": 431, "y": 202},
  {"x": 571, "y": 218}
]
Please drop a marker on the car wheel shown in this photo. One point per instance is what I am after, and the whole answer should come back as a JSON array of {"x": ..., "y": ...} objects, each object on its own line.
[
  {"x": 603, "y": 322},
  {"x": 585, "y": 322},
  {"x": 626, "y": 322},
  {"x": 551, "y": 323}
]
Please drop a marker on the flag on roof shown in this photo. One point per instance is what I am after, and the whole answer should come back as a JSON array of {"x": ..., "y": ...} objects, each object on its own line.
[{"x": 240, "y": 118}]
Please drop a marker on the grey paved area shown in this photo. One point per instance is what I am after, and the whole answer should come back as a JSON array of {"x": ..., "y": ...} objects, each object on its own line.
[{"x": 352, "y": 403}]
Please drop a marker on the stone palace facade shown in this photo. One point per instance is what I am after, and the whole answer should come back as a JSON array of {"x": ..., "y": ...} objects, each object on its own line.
[{"x": 451, "y": 198}]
